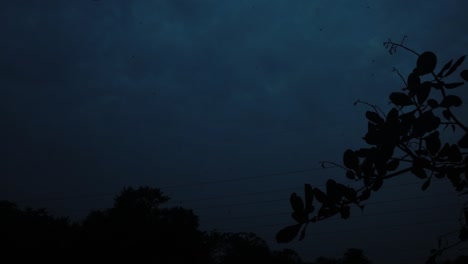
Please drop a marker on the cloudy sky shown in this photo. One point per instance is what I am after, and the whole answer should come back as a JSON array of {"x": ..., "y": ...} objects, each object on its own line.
[{"x": 226, "y": 105}]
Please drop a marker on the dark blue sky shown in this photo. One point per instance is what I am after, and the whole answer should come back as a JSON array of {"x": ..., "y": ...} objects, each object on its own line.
[{"x": 188, "y": 94}]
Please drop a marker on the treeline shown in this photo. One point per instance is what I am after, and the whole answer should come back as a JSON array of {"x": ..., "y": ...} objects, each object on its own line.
[{"x": 137, "y": 228}]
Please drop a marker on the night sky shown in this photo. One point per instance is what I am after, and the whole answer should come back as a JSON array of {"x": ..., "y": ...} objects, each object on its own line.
[{"x": 227, "y": 106}]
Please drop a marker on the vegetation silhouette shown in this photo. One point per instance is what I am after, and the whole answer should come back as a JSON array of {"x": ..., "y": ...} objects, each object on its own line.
[
  {"x": 406, "y": 139},
  {"x": 137, "y": 228},
  {"x": 351, "y": 256}
]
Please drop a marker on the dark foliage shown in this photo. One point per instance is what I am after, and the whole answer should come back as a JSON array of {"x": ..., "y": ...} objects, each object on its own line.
[
  {"x": 405, "y": 139},
  {"x": 351, "y": 256},
  {"x": 136, "y": 229}
]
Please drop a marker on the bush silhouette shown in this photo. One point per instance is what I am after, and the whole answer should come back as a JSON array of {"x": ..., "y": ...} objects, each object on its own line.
[{"x": 406, "y": 139}]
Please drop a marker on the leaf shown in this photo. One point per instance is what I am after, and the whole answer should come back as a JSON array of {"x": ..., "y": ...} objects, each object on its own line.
[
  {"x": 400, "y": 99},
  {"x": 433, "y": 143},
  {"x": 464, "y": 75},
  {"x": 350, "y": 194},
  {"x": 422, "y": 152},
  {"x": 373, "y": 136},
  {"x": 451, "y": 100},
  {"x": 446, "y": 66},
  {"x": 320, "y": 196},
  {"x": 463, "y": 143},
  {"x": 303, "y": 233},
  {"x": 309, "y": 198},
  {"x": 392, "y": 117},
  {"x": 466, "y": 173},
  {"x": 454, "y": 154},
  {"x": 419, "y": 172},
  {"x": 367, "y": 168},
  {"x": 426, "y": 122},
  {"x": 377, "y": 184},
  {"x": 350, "y": 160},
  {"x": 328, "y": 211},
  {"x": 414, "y": 82},
  {"x": 438, "y": 85},
  {"x": 426, "y": 63},
  {"x": 296, "y": 203},
  {"x": 366, "y": 152},
  {"x": 365, "y": 195},
  {"x": 463, "y": 235},
  {"x": 299, "y": 217},
  {"x": 423, "y": 92},
  {"x": 432, "y": 103},
  {"x": 426, "y": 184},
  {"x": 453, "y": 174},
  {"x": 350, "y": 174},
  {"x": 444, "y": 151},
  {"x": 374, "y": 117},
  {"x": 453, "y": 85},
  {"x": 440, "y": 174},
  {"x": 393, "y": 164},
  {"x": 288, "y": 233},
  {"x": 446, "y": 114},
  {"x": 407, "y": 121},
  {"x": 333, "y": 192},
  {"x": 345, "y": 211},
  {"x": 455, "y": 66}
]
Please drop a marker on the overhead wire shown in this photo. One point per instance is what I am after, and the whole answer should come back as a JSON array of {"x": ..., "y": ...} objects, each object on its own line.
[{"x": 339, "y": 231}]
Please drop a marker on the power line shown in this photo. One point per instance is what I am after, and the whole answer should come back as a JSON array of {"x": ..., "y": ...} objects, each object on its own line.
[
  {"x": 271, "y": 191},
  {"x": 241, "y": 178},
  {"x": 228, "y": 196},
  {"x": 53, "y": 198},
  {"x": 339, "y": 231},
  {"x": 283, "y": 200},
  {"x": 173, "y": 186},
  {"x": 287, "y": 200},
  {"x": 357, "y": 216}
]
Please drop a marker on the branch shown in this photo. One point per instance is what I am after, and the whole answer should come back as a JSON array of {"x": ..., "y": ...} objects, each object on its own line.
[
  {"x": 448, "y": 109},
  {"x": 399, "y": 74},
  {"x": 401, "y": 45},
  {"x": 391, "y": 175},
  {"x": 323, "y": 164},
  {"x": 375, "y": 107}
]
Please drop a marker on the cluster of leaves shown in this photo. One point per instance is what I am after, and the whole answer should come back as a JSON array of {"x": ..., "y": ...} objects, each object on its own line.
[{"x": 406, "y": 139}]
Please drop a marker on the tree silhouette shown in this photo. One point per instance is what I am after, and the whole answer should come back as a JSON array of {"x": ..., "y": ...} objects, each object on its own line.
[
  {"x": 458, "y": 260},
  {"x": 286, "y": 256},
  {"x": 136, "y": 229},
  {"x": 229, "y": 248},
  {"x": 136, "y": 226},
  {"x": 351, "y": 256},
  {"x": 406, "y": 139},
  {"x": 28, "y": 234}
]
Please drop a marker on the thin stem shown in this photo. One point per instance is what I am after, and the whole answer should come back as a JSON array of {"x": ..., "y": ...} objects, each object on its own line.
[
  {"x": 457, "y": 121},
  {"x": 448, "y": 123},
  {"x": 323, "y": 164},
  {"x": 399, "y": 74},
  {"x": 407, "y": 151},
  {"x": 402, "y": 46},
  {"x": 403, "y": 159},
  {"x": 375, "y": 107},
  {"x": 397, "y": 173}
]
